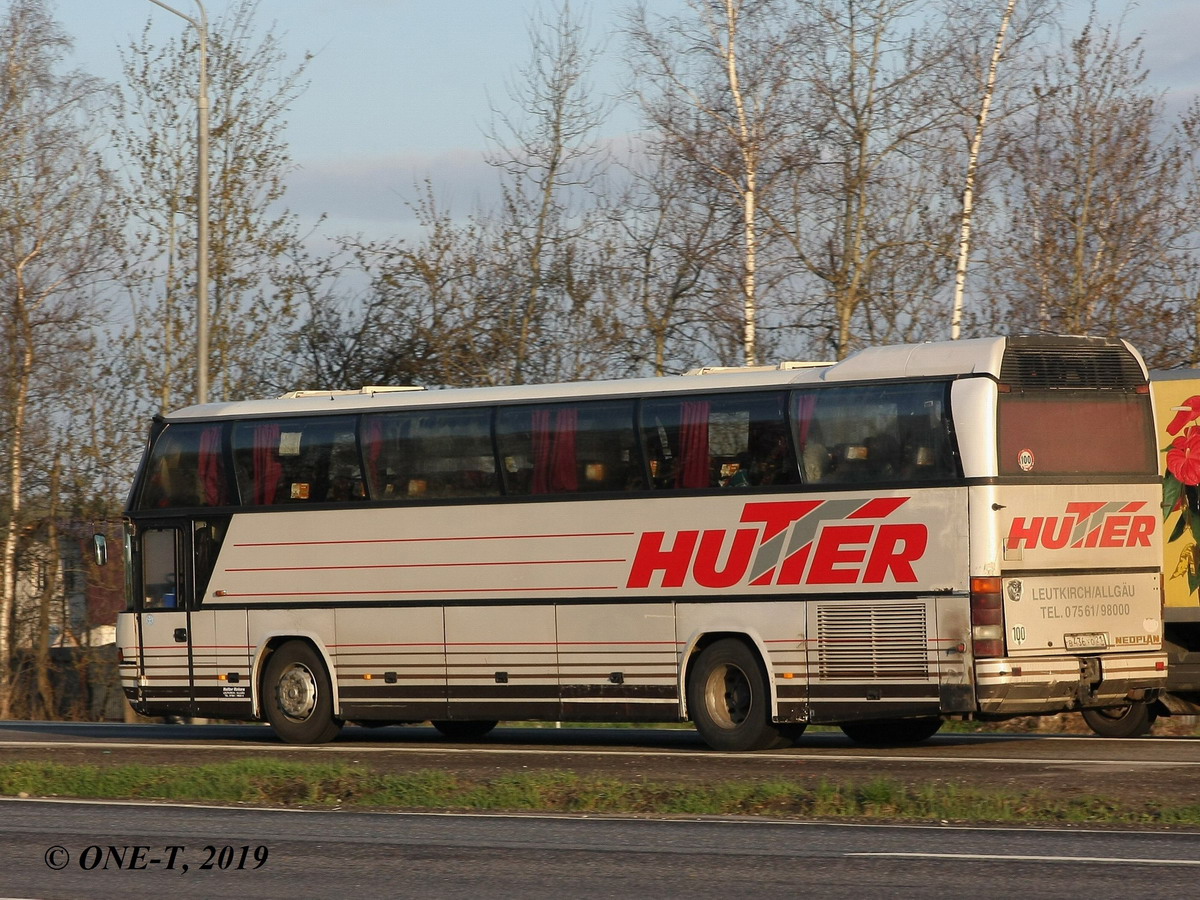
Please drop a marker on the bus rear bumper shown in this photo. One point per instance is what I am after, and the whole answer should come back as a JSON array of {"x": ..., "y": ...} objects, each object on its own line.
[{"x": 1046, "y": 684}]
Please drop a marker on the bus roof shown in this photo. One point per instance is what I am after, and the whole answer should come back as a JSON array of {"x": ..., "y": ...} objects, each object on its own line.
[{"x": 978, "y": 356}]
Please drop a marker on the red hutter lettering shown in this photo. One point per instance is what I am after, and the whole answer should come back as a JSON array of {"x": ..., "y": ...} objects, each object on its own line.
[
  {"x": 1110, "y": 526},
  {"x": 841, "y": 552}
]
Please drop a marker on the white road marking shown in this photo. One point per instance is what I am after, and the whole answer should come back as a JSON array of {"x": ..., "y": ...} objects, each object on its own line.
[{"x": 997, "y": 857}]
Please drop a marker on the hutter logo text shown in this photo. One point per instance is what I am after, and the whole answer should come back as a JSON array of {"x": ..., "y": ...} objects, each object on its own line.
[
  {"x": 1086, "y": 525},
  {"x": 791, "y": 542}
]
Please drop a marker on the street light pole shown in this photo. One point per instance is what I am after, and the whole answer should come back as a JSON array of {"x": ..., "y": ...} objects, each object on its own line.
[{"x": 201, "y": 26}]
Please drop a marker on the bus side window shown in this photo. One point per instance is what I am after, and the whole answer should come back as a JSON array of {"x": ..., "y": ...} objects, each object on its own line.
[
  {"x": 771, "y": 458},
  {"x": 872, "y": 433},
  {"x": 567, "y": 448},
  {"x": 160, "y": 569},
  {"x": 814, "y": 455},
  {"x": 660, "y": 451},
  {"x": 606, "y": 448},
  {"x": 341, "y": 473},
  {"x": 718, "y": 440},
  {"x": 675, "y": 432},
  {"x": 207, "y": 537},
  {"x": 430, "y": 454},
  {"x": 297, "y": 461}
]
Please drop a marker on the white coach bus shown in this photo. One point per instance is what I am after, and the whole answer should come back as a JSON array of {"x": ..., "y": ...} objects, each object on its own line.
[{"x": 966, "y": 529}]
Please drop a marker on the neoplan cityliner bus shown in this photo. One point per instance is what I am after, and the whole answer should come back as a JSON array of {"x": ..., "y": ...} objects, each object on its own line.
[{"x": 963, "y": 529}]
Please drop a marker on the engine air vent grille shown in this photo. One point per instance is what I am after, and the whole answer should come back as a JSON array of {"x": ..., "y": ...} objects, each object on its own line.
[
  {"x": 1069, "y": 364},
  {"x": 872, "y": 641}
]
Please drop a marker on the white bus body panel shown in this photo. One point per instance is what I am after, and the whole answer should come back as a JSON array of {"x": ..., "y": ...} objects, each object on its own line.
[
  {"x": 718, "y": 546},
  {"x": 1104, "y": 540},
  {"x": 1082, "y": 593},
  {"x": 406, "y": 644},
  {"x": 973, "y": 401},
  {"x": 622, "y": 597}
]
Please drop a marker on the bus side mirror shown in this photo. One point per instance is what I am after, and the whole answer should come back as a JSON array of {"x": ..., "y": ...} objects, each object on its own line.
[{"x": 99, "y": 549}]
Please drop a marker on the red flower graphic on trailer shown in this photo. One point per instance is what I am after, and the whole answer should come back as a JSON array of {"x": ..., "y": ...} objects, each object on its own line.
[
  {"x": 1181, "y": 490},
  {"x": 1183, "y": 457},
  {"x": 1184, "y": 415}
]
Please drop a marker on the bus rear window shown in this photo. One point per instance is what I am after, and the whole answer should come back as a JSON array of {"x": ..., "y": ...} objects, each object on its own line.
[
  {"x": 1076, "y": 433},
  {"x": 874, "y": 434}
]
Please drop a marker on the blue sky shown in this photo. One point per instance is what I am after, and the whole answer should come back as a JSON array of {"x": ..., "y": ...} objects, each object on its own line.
[{"x": 402, "y": 89}]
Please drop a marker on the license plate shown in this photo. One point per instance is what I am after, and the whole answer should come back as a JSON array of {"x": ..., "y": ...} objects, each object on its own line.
[{"x": 1088, "y": 641}]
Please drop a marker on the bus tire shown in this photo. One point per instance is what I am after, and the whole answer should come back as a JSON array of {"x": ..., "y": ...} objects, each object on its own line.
[
  {"x": 728, "y": 700},
  {"x": 298, "y": 697},
  {"x": 1133, "y": 720},
  {"x": 892, "y": 732},
  {"x": 463, "y": 731}
]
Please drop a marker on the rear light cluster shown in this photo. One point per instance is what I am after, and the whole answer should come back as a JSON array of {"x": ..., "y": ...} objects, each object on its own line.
[{"x": 987, "y": 617}]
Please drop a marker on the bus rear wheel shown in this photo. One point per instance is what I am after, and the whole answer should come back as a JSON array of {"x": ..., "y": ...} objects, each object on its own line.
[
  {"x": 892, "y": 732},
  {"x": 728, "y": 701},
  {"x": 1133, "y": 720},
  {"x": 298, "y": 696}
]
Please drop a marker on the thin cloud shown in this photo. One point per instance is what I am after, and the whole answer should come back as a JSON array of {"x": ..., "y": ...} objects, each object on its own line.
[{"x": 380, "y": 190}]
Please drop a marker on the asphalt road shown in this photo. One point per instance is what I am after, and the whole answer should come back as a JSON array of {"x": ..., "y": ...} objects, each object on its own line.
[
  {"x": 54, "y": 849},
  {"x": 69, "y": 849}
]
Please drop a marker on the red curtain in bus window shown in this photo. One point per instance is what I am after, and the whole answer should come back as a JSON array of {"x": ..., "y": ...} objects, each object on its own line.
[
  {"x": 267, "y": 470},
  {"x": 554, "y": 468},
  {"x": 693, "y": 445},
  {"x": 564, "y": 474},
  {"x": 805, "y": 404},
  {"x": 373, "y": 449},
  {"x": 212, "y": 472}
]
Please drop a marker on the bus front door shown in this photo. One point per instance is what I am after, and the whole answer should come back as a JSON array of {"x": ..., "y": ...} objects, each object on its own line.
[{"x": 165, "y": 627}]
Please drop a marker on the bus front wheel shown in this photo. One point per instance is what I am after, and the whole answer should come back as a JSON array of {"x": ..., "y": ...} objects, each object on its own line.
[
  {"x": 298, "y": 696},
  {"x": 1133, "y": 720},
  {"x": 728, "y": 701}
]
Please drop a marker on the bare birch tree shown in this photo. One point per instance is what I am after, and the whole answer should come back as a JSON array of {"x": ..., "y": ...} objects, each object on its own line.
[
  {"x": 56, "y": 242},
  {"x": 867, "y": 219},
  {"x": 421, "y": 318},
  {"x": 996, "y": 44},
  {"x": 514, "y": 294},
  {"x": 966, "y": 219},
  {"x": 719, "y": 90}
]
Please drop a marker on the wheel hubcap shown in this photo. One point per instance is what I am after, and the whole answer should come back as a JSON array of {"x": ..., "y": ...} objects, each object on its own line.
[
  {"x": 297, "y": 692},
  {"x": 728, "y": 696}
]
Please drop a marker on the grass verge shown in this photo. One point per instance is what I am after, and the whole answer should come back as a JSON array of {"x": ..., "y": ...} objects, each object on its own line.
[{"x": 279, "y": 783}]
